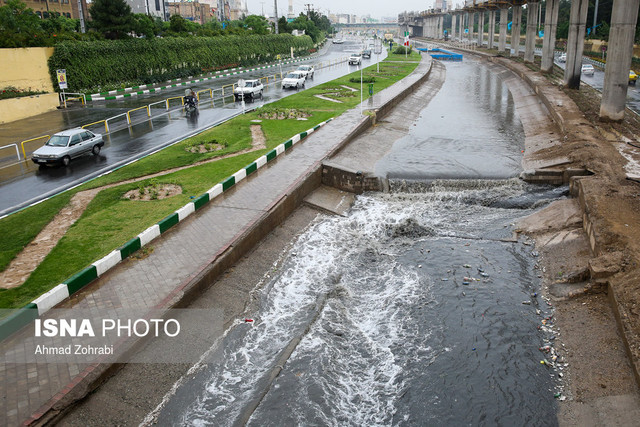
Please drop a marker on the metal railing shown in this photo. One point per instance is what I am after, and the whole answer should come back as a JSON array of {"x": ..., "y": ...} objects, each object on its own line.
[
  {"x": 106, "y": 126},
  {"x": 29, "y": 140},
  {"x": 14, "y": 145}
]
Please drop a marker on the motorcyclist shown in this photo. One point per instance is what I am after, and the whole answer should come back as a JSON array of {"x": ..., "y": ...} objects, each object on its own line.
[{"x": 190, "y": 100}]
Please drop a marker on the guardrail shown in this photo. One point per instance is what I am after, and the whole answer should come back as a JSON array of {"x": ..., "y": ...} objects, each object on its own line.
[
  {"x": 80, "y": 96},
  {"x": 106, "y": 127},
  {"x": 29, "y": 140},
  {"x": 146, "y": 107},
  {"x": 14, "y": 145}
]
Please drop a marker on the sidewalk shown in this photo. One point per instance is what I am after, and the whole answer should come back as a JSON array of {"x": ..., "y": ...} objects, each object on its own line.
[{"x": 182, "y": 257}]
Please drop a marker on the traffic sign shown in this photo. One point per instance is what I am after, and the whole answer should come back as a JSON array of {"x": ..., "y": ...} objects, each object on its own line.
[{"x": 62, "y": 78}]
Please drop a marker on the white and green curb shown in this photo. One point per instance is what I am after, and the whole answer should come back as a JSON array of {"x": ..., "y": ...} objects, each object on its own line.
[
  {"x": 73, "y": 284},
  {"x": 131, "y": 91}
]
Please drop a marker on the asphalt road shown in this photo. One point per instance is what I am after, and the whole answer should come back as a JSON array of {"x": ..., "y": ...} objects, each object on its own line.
[{"x": 23, "y": 183}]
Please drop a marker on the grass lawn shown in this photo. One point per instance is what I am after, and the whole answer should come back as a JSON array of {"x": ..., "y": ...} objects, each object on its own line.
[{"x": 110, "y": 220}]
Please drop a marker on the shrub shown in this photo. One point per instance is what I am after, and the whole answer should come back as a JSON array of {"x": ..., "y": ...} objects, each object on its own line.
[
  {"x": 402, "y": 50},
  {"x": 98, "y": 64}
]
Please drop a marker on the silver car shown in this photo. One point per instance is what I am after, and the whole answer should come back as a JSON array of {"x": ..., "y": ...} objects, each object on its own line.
[{"x": 66, "y": 145}]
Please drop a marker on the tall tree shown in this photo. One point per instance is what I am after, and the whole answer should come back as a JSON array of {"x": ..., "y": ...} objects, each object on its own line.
[{"x": 113, "y": 18}]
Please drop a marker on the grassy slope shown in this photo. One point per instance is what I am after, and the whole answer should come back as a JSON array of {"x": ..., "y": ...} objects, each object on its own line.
[{"x": 110, "y": 220}]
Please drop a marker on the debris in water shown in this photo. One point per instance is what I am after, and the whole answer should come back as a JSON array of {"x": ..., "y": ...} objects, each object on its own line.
[
  {"x": 526, "y": 302},
  {"x": 466, "y": 266},
  {"x": 247, "y": 320}
]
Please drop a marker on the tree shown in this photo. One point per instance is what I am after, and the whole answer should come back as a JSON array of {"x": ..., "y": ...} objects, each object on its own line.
[
  {"x": 178, "y": 24},
  {"x": 19, "y": 26},
  {"x": 257, "y": 24},
  {"x": 113, "y": 18}
]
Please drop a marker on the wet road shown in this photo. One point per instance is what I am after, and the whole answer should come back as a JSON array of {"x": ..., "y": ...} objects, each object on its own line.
[{"x": 23, "y": 183}]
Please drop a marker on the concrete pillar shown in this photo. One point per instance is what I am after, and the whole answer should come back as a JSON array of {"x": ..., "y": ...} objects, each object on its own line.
[
  {"x": 549, "y": 41},
  {"x": 454, "y": 22},
  {"x": 492, "y": 28},
  {"x": 472, "y": 24},
  {"x": 532, "y": 31},
  {"x": 575, "y": 43},
  {"x": 441, "y": 26},
  {"x": 502, "y": 40},
  {"x": 515, "y": 30},
  {"x": 481, "y": 29},
  {"x": 616, "y": 76},
  {"x": 461, "y": 32}
]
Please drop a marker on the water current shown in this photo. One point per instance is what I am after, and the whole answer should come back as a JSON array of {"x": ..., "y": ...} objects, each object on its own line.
[{"x": 409, "y": 310}]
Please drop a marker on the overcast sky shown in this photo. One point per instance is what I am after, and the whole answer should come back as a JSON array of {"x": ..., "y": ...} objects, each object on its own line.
[{"x": 376, "y": 8}]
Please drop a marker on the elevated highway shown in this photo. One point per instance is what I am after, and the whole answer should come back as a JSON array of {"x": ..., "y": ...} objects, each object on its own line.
[{"x": 466, "y": 21}]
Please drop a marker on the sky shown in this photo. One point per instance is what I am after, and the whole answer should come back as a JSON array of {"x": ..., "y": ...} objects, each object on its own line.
[{"x": 375, "y": 8}]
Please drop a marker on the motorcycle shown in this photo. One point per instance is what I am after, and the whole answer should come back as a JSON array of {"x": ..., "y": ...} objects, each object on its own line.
[{"x": 190, "y": 105}]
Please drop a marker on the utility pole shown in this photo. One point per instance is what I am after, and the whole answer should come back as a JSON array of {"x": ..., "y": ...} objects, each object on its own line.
[
  {"x": 262, "y": 3},
  {"x": 308, "y": 5},
  {"x": 595, "y": 18},
  {"x": 81, "y": 13},
  {"x": 275, "y": 6}
]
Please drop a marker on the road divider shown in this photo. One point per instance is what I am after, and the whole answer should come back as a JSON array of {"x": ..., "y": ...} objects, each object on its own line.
[{"x": 25, "y": 315}]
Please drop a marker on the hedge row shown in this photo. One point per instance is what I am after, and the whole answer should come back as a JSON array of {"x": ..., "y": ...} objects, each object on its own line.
[{"x": 94, "y": 64}]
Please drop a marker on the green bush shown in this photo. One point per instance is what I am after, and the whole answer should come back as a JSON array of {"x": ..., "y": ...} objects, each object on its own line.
[
  {"x": 365, "y": 79},
  {"x": 402, "y": 50},
  {"x": 95, "y": 64}
]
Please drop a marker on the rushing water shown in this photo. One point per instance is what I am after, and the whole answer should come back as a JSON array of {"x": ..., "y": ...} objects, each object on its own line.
[{"x": 408, "y": 311}]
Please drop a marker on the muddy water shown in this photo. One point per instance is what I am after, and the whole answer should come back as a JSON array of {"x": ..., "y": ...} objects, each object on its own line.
[{"x": 418, "y": 308}]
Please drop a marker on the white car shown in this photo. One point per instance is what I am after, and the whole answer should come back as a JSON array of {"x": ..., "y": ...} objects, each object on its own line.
[
  {"x": 355, "y": 59},
  {"x": 587, "y": 70},
  {"x": 307, "y": 70},
  {"x": 562, "y": 58},
  {"x": 294, "y": 79},
  {"x": 66, "y": 145},
  {"x": 252, "y": 89}
]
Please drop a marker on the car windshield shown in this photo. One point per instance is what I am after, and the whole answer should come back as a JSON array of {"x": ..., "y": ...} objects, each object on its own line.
[
  {"x": 58, "y": 141},
  {"x": 303, "y": 67},
  {"x": 356, "y": 54},
  {"x": 293, "y": 76}
]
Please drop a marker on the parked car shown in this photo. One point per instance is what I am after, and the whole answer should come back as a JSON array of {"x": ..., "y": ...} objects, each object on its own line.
[
  {"x": 294, "y": 79},
  {"x": 307, "y": 70},
  {"x": 355, "y": 59},
  {"x": 562, "y": 58},
  {"x": 67, "y": 145},
  {"x": 633, "y": 77},
  {"x": 587, "y": 70},
  {"x": 252, "y": 89},
  {"x": 337, "y": 41},
  {"x": 366, "y": 53}
]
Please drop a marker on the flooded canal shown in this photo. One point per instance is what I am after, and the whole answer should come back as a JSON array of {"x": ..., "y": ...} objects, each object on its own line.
[{"x": 417, "y": 308}]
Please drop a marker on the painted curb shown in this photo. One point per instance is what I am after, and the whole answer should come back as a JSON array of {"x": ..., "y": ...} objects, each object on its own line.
[
  {"x": 23, "y": 316},
  {"x": 129, "y": 92}
]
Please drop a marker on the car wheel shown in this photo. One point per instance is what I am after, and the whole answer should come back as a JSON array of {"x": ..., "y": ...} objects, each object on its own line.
[
  {"x": 95, "y": 150},
  {"x": 66, "y": 160},
  {"x": 261, "y": 95}
]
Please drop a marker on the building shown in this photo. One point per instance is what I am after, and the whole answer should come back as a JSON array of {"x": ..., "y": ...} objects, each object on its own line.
[
  {"x": 193, "y": 11},
  {"x": 237, "y": 9},
  {"x": 44, "y": 8},
  {"x": 153, "y": 8}
]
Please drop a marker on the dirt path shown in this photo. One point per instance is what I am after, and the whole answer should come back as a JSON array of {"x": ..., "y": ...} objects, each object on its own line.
[{"x": 21, "y": 267}]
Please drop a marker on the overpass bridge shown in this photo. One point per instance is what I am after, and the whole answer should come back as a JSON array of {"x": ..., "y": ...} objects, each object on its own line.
[
  {"x": 430, "y": 23},
  {"x": 388, "y": 27}
]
